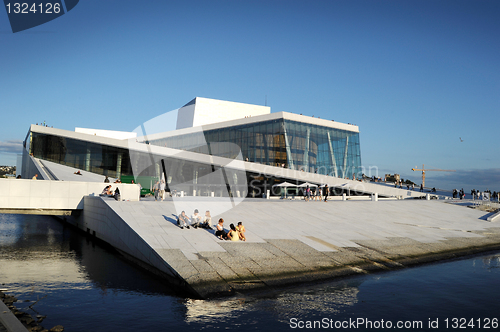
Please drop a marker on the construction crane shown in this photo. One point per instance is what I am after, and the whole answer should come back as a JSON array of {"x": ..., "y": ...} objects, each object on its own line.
[{"x": 429, "y": 169}]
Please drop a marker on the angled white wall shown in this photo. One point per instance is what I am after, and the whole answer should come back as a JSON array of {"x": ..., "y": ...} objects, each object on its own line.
[
  {"x": 64, "y": 195},
  {"x": 185, "y": 117},
  {"x": 203, "y": 111}
]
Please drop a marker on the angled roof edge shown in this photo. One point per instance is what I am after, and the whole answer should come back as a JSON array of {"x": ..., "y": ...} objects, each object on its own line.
[
  {"x": 254, "y": 119},
  {"x": 192, "y": 102}
]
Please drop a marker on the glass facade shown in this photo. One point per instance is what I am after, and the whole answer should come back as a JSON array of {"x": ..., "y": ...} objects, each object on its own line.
[
  {"x": 278, "y": 142},
  {"x": 115, "y": 162},
  {"x": 87, "y": 156},
  {"x": 282, "y": 143}
]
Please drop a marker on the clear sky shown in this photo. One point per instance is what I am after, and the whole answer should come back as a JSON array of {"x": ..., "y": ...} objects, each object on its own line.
[{"x": 415, "y": 76}]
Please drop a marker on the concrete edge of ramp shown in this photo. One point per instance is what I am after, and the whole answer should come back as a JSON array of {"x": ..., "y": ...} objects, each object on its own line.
[
  {"x": 494, "y": 217},
  {"x": 9, "y": 320},
  {"x": 355, "y": 262}
]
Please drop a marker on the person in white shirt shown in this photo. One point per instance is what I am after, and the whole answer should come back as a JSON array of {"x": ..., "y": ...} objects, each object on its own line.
[
  {"x": 162, "y": 189},
  {"x": 207, "y": 220},
  {"x": 196, "y": 219}
]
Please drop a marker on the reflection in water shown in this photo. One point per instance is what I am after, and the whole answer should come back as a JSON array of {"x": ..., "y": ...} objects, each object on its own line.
[
  {"x": 321, "y": 300},
  {"x": 9, "y": 230},
  {"x": 324, "y": 300},
  {"x": 461, "y": 288},
  {"x": 42, "y": 259},
  {"x": 490, "y": 262},
  {"x": 49, "y": 253}
]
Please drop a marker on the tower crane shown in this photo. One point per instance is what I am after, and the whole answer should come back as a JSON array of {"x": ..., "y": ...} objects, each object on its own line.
[{"x": 430, "y": 169}]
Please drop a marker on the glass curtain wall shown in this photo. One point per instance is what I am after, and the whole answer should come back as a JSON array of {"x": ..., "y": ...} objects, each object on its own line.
[
  {"x": 324, "y": 150},
  {"x": 87, "y": 156},
  {"x": 311, "y": 148},
  {"x": 281, "y": 143},
  {"x": 190, "y": 177},
  {"x": 262, "y": 142}
]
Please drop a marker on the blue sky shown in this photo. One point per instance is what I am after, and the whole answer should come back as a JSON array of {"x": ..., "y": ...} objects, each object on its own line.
[{"x": 413, "y": 75}]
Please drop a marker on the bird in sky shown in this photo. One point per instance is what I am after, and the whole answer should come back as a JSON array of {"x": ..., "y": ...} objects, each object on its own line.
[{"x": 461, "y": 140}]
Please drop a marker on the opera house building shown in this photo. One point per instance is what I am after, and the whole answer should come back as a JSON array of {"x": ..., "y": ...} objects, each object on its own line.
[{"x": 204, "y": 147}]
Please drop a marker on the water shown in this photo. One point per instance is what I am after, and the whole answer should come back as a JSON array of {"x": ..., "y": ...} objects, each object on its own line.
[{"x": 85, "y": 287}]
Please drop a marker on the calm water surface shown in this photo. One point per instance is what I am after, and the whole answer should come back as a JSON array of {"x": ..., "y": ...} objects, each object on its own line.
[{"x": 87, "y": 287}]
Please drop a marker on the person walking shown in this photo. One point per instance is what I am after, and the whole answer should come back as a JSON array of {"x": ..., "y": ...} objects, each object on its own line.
[
  {"x": 326, "y": 192},
  {"x": 156, "y": 188},
  {"x": 162, "y": 189}
]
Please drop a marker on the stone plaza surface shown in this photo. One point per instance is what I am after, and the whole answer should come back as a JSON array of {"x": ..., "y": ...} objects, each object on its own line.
[{"x": 291, "y": 241}]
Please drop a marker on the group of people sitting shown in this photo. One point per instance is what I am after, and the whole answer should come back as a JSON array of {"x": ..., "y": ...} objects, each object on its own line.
[
  {"x": 235, "y": 233},
  {"x": 109, "y": 193},
  {"x": 196, "y": 220}
]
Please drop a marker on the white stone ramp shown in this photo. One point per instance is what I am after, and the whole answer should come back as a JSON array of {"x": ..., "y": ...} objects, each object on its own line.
[
  {"x": 291, "y": 236},
  {"x": 338, "y": 223}
]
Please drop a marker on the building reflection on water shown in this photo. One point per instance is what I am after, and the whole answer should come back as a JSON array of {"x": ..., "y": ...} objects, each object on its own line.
[
  {"x": 490, "y": 262},
  {"x": 321, "y": 299},
  {"x": 42, "y": 252}
]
